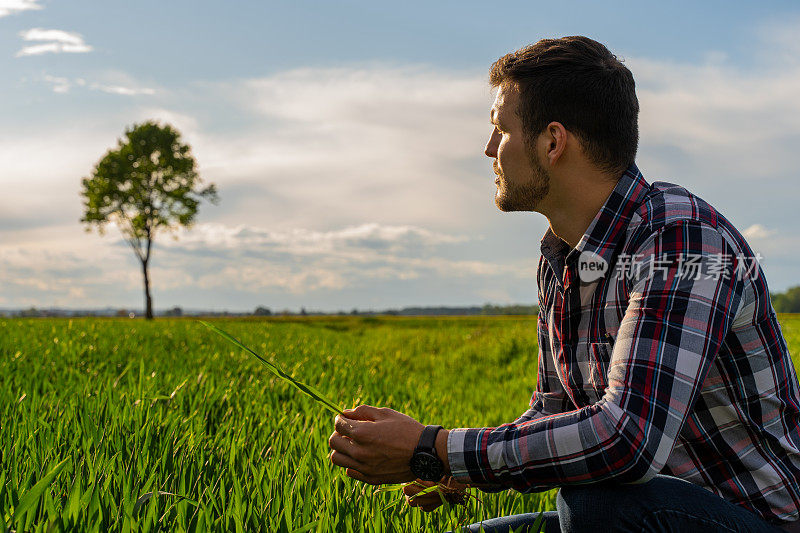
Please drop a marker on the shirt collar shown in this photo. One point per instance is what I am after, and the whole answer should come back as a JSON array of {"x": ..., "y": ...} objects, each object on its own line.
[{"x": 608, "y": 225}]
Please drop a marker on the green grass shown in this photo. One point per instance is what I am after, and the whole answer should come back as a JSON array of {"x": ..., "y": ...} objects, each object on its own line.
[{"x": 123, "y": 425}]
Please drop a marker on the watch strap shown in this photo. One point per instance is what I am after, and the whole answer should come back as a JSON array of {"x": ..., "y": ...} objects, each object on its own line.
[{"x": 427, "y": 441}]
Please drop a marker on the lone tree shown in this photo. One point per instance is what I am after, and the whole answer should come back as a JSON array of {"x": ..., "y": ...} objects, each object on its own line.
[{"x": 147, "y": 184}]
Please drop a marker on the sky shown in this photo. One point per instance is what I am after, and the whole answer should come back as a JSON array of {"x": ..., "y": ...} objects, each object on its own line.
[{"x": 346, "y": 141}]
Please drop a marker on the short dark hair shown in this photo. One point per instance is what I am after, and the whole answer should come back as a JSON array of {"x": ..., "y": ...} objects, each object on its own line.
[{"x": 578, "y": 82}]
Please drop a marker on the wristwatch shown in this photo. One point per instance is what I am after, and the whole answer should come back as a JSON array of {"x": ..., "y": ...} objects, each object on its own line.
[{"x": 425, "y": 464}]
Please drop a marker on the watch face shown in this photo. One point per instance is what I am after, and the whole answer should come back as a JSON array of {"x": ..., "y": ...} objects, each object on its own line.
[{"x": 427, "y": 466}]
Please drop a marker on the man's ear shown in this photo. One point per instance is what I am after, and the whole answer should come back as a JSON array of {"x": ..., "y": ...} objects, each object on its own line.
[{"x": 556, "y": 137}]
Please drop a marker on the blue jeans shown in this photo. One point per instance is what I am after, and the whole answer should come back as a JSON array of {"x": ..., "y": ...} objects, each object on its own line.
[{"x": 663, "y": 504}]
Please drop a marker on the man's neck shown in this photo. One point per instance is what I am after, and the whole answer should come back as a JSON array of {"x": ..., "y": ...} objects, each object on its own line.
[{"x": 571, "y": 211}]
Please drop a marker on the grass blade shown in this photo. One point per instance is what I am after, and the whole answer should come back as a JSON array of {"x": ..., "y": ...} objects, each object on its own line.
[
  {"x": 147, "y": 496},
  {"x": 31, "y": 497},
  {"x": 299, "y": 385},
  {"x": 538, "y": 525},
  {"x": 307, "y": 527}
]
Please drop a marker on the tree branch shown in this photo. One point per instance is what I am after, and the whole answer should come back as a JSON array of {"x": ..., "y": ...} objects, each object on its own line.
[
  {"x": 149, "y": 243},
  {"x": 133, "y": 239}
]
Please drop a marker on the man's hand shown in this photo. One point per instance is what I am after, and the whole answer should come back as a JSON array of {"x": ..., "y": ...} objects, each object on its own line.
[
  {"x": 453, "y": 492},
  {"x": 375, "y": 445}
]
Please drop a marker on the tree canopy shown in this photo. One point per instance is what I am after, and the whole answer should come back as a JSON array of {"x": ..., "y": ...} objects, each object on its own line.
[
  {"x": 787, "y": 302},
  {"x": 148, "y": 183}
]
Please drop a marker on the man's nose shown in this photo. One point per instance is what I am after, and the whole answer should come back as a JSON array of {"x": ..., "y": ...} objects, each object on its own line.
[{"x": 491, "y": 145}]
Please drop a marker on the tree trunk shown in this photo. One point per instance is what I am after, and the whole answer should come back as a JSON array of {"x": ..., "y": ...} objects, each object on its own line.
[{"x": 148, "y": 300}]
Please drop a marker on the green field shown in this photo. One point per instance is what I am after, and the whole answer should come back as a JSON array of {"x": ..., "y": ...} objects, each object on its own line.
[{"x": 132, "y": 409}]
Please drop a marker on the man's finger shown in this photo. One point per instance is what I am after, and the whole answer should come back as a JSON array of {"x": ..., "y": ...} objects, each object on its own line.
[
  {"x": 350, "y": 427},
  {"x": 428, "y": 497},
  {"x": 416, "y": 486},
  {"x": 425, "y": 499},
  {"x": 362, "y": 412},
  {"x": 379, "y": 479},
  {"x": 431, "y": 507},
  {"x": 411, "y": 489},
  {"x": 358, "y": 476},
  {"x": 427, "y": 502},
  {"x": 344, "y": 445},
  {"x": 345, "y": 461}
]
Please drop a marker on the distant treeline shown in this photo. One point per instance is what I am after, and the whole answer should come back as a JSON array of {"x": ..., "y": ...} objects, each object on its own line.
[
  {"x": 458, "y": 311},
  {"x": 787, "y": 302},
  {"x": 783, "y": 302},
  {"x": 487, "y": 309}
]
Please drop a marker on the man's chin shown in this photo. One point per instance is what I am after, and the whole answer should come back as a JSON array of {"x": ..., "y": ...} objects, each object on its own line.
[
  {"x": 504, "y": 204},
  {"x": 508, "y": 205}
]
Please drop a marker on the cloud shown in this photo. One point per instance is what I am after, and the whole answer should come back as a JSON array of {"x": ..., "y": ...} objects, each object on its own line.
[
  {"x": 59, "y": 36},
  {"x": 53, "y": 48},
  {"x": 63, "y": 85},
  {"x": 55, "y": 42},
  {"x": 56, "y": 271},
  {"x": 757, "y": 231},
  {"x": 780, "y": 45},
  {"x": 124, "y": 91},
  {"x": 341, "y": 146},
  {"x": 8, "y": 7},
  {"x": 246, "y": 259},
  {"x": 367, "y": 237},
  {"x": 302, "y": 261},
  {"x": 743, "y": 120}
]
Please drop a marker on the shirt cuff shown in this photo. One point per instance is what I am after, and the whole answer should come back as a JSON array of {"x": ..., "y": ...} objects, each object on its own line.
[{"x": 467, "y": 460}]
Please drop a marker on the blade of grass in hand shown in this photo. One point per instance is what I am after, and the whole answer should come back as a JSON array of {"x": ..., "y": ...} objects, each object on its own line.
[{"x": 299, "y": 385}]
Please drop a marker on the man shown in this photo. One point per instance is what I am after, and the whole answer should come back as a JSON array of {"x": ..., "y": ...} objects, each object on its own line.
[{"x": 666, "y": 398}]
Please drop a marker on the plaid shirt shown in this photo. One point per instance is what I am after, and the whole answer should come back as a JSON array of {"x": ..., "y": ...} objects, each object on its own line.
[{"x": 659, "y": 352}]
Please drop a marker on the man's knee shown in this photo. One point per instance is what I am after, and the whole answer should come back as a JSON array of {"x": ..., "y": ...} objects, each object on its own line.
[
  {"x": 585, "y": 508},
  {"x": 611, "y": 506}
]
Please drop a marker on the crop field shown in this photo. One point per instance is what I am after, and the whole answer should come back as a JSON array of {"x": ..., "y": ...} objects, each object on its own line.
[{"x": 126, "y": 425}]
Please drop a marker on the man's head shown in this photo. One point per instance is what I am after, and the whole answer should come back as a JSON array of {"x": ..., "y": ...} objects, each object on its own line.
[{"x": 572, "y": 85}]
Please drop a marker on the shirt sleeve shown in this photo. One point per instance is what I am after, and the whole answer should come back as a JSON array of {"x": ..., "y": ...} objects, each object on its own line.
[{"x": 672, "y": 330}]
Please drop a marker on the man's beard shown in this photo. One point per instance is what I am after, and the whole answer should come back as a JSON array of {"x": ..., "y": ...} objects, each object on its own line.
[{"x": 522, "y": 197}]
